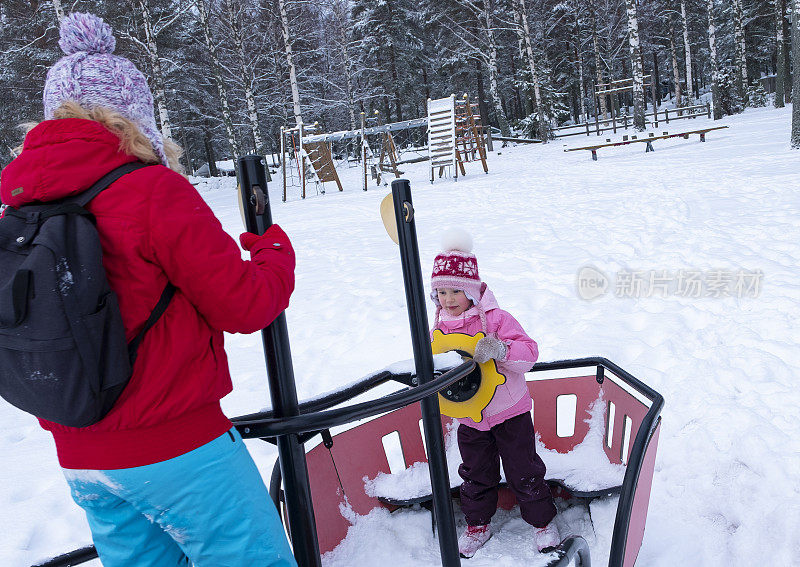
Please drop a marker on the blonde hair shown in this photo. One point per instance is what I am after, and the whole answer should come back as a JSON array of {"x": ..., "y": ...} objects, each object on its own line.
[{"x": 131, "y": 139}]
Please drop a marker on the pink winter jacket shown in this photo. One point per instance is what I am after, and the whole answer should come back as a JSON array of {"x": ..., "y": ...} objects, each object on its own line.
[{"x": 512, "y": 398}]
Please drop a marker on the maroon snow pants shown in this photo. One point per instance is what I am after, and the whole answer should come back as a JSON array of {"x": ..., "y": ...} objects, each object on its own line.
[{"x": 513, "y": 440}]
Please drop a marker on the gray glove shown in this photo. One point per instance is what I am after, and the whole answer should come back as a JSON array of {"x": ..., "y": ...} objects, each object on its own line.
[{"x": 489, "y": 347}]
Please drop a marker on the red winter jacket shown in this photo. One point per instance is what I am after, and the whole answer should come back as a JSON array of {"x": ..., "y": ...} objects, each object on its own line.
[{"x": 154, "y": 227}]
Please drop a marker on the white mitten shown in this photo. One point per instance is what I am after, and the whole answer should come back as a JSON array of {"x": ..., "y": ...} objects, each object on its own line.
[{"x": 489, "y": 347}]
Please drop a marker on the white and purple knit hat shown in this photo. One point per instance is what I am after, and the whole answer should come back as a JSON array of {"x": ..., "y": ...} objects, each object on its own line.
[
  {"x": 92, "y": 76},
  {"x": 456, "y": 267}
]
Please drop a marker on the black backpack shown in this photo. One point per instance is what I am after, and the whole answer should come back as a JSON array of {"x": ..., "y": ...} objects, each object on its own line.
[{"x": 63, "y": 354}]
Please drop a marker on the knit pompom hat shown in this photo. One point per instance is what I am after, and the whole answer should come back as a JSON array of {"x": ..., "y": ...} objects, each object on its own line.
[
  {"x": 456, "y": 267},
  {"x": 90, "y": 75}
]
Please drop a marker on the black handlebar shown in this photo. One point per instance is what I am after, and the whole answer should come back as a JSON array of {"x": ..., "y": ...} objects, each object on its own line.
[{"x": 271, "y": 427}]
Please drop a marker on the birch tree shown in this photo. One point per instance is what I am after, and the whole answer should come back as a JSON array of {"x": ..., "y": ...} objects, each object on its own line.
[
  {"x": 339, "y": 13},
  {"x": 636, "y": 66},
  {"x": 151, "y": 47},
  {"x": 598, "y": 61},
  {"x": 687, "y": 49},
  {"x": 287, "y": 42},
  {"x": 245, "y": 72},
  {"x": 59, "y": 11},
  {"x": 542, "y": 122},
  {"x": 579, "y": 62},
  {"x": 676, "y": 73},
  {"x": 712, "y": 49},
  {"x": 741, "y": 50},
  {"x": 216, "y": 71},
  {"x": 494, "y": 90},
  {"x": 523, "y": 56}
]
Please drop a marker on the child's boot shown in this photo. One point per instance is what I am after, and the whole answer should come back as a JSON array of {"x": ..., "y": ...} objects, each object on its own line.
[
  {"x": 473, "y": 539},
  {"x": 547, "y": 538}
]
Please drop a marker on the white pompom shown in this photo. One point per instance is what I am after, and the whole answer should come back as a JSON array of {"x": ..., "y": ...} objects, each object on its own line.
[{"x": 456, "y": 239}]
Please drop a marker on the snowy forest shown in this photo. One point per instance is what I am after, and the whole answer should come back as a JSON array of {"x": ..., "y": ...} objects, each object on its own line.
[{"x": 228, "y": 75}]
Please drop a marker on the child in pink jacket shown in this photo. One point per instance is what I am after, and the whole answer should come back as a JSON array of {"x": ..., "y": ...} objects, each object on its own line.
[{"x": 465, "y": 305}]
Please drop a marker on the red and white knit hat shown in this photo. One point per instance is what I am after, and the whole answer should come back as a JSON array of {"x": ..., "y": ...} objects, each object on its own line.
[{"x": 456, "y": 267}]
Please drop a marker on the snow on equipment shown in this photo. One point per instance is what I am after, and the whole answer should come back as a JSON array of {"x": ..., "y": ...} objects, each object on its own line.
[{"x": 316, "y": 486}]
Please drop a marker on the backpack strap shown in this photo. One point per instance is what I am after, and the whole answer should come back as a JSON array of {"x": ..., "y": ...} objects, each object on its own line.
[
  {"x": 155, "y": 315},
  {"x": 82, "y": 200},
  {"x": 104, "y": 183}
]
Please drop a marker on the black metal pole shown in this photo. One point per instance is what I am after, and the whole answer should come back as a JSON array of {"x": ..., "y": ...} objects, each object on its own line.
[
  {"x": 423, "y": 359},
  {"x": 280, "y": 374}
]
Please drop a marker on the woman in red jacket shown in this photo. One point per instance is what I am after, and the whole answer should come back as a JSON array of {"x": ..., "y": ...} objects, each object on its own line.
[{"x": 164, "y": 478}]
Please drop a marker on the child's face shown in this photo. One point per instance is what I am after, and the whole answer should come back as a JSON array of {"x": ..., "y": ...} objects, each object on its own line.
[{"x": 453, "y": 301}]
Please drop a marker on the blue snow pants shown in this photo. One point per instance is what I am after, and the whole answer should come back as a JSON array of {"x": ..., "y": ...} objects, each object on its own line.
[{"x": 207, "y": 508}]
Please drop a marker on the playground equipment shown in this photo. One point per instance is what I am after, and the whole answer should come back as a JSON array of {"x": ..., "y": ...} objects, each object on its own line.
[
  {"x": 339, "y": 462},
  {"x": 601, "y": 126},
  {"x": 316, "y": 481},
  {"x": 649, "y": 140},
  {"x": 455, "y": 135},
  {"x": 297, "y": 154},
  {"x": 372, "y": 134},
  {"x": 469, "y": 396}
]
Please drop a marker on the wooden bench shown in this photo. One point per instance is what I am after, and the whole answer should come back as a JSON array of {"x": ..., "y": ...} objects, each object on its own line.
[{"x": 648, "y": 141}]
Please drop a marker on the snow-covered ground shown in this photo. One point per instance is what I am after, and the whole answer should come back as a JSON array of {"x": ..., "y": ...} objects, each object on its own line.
[{"x": 726, "y": 488}]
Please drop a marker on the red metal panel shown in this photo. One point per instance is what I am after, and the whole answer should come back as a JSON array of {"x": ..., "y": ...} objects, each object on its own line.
[
  {"x": 326, "y": 494},
  {"x": 641, "y": 501},
  {"x": 358, "y": 453},
  {"x": 625, "y": 404},
  {"x": 544, "y": 394}
]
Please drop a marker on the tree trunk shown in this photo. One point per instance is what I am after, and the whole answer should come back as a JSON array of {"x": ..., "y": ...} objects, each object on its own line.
[
  {"x": 287, "y": 42},
  {"x": 636, "y": 67},
  {"x": 482, "y": 106},
  {"x": 348, "y": 73},
  {"x": 598, "y": 65},
  {"x": 687, "y": 48},
  {"x": 780, "y": 71},
  {"x": 246, "y": 78},
  {"x": 655, "y": 80},
  {"x": 796, "y": 75},
  {"x": 398, "y": 106},
  {"x": 158, "y": 74},
  {"x": 58, "y": 10},
  {"x": 676, "y": 74},
  {"x": 712, "y": 48},
  {"x": 516, "y": 105},
  {"x": 522, "y": 55},
  {"x": 741, "y": 50},
  {"x": 581, "y": 84},
  {"x": 542, "y": 122},
  {"x": 216, "y": 71},
  {"x": 787, "y": 53},
  {"x": 494, "y": 90},
  {"x": 210, "y": 159}
]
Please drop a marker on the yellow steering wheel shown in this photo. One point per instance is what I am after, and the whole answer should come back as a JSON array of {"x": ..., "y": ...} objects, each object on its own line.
[{"x": 469, "y": 396}]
